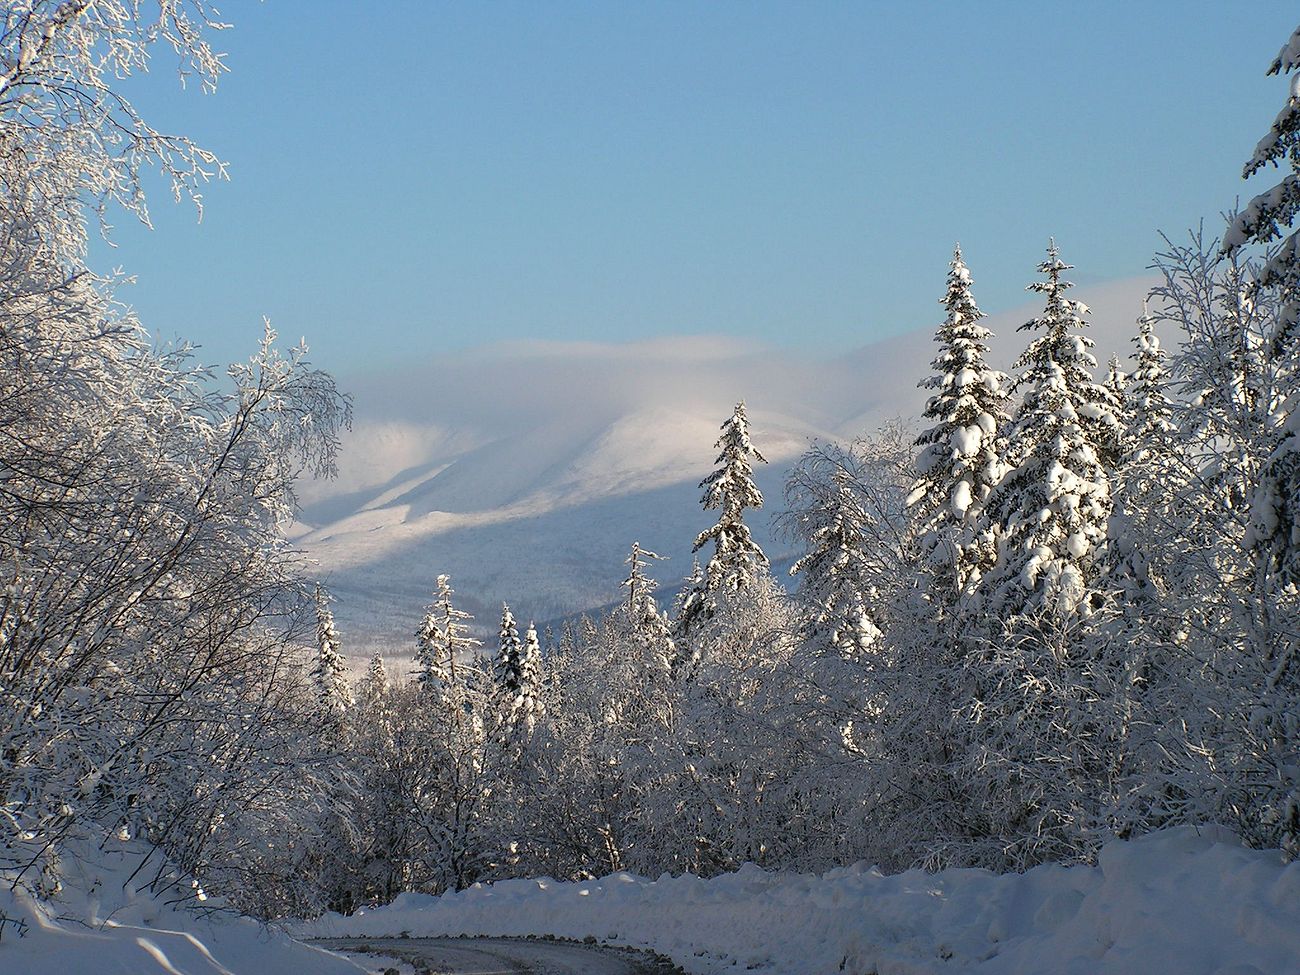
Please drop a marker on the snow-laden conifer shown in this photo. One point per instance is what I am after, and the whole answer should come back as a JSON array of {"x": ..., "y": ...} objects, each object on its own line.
[
  {"x": 531, "y": 699},
  {"x": 1053, "y": 502},
  {"x": 374, "y": 686},
  {"x": 691, "y": 586},
  {"x": 647, "y": 627},
  {"x": 1145, "y": 482},
  {"x": 508, "y": 666},
  {"x": 1116, "y": 383},
  {"x": 442, "y": 639},
  {"x": 959, "y": 460},
  {"x": 1270, "y": 216},
  {"x": 737, "y": 562},
  {"x": 1148, "y": 391},
  {"x": 330, "y": 673},
  {"x": 836, "y": 570}
]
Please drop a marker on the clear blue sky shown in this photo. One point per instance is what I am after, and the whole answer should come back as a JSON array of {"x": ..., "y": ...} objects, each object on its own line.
[{"x": 416, "y": 176}]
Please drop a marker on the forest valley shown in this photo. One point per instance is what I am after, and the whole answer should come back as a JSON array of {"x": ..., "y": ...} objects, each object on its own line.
[{"x": 1059, "y": 607}]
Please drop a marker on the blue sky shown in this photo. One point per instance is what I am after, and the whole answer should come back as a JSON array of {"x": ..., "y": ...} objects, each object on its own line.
[{"x": 411, "y": 177}]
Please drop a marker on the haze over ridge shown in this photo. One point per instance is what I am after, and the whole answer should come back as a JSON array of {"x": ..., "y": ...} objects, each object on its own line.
[{"x": 482, "y": 462}]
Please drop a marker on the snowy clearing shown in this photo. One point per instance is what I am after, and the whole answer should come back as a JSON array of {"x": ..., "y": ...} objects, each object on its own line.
[{"x": 1174, "y": 902}]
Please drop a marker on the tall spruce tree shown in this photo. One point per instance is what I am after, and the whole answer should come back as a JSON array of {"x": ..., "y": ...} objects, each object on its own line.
[
  {"x": 532, "y": 702},
  {"x": 1275, "y": 507},
  {"x": 1053, "y": 502},
  {"x": 648, "y": 629},
  {"x": 441, "y": 640},
  {"x": 1143, "y": 485},
  {"x": 330, "y": 674},
  {"x": 960, "y": 459},
  {"x": 374, "y": 686},
  {"x": 508, "y": 667},
  {"x": 737, "y": 563},
  {"x": 835, "y": 572},
  {"x": 1271, "y": 214}
]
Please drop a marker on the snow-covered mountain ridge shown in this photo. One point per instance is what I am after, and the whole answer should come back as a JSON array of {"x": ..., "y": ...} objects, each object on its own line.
[{"x": 527, "y": 470}]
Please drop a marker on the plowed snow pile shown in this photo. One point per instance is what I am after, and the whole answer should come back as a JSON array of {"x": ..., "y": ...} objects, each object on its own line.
[{"x": 1175, "y": 902}]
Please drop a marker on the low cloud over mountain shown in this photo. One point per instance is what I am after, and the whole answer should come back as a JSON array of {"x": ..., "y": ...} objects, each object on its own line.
[{"x": 526, "y": 470}]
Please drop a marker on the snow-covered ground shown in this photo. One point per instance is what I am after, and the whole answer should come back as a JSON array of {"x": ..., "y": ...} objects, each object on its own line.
[
  {"x": 1173, "y": 903},
  {"x": 103, "y": 922}
]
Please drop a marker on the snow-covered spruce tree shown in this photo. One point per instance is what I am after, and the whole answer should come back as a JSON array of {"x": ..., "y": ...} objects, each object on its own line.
[
  {"x": 379, "y": 758},
  {"x": 373, "y": 686},
  {"x": 1037, "y": 736},
  {"x": 835, "y": 573},
  {"x": 959, "y": 460},
  {"x": 508, "y": 665},
  {"x": 636, "y": 582},
  {"x": 442, "y": 639},
  {"x": 883, "y": 719},
  {"x": 1116, "y": 379},
  {"x": 649, "y": 630},
  {"x": 531, "y": 700},
  {"x": 327, "y": 863},
  {"x": 1053, "y": 502},
  {"x": 1271, "y": 215},
  {"x": 576, "y": 789},
  {"x": 1147, "y": 473},
  {"x": 329, "y": 673},
  {"x": 687, "y": 593},
  {"x": 450, "y": 729},
  {"x": 1275, "y": 505},
  {"x": 1132, "y": 642},
  {"x": 726, "y": 764},
  {"x": 737, "y": 563},
  {"x": 1150, "y": 409},
  {"x": 602, "y": 750}
]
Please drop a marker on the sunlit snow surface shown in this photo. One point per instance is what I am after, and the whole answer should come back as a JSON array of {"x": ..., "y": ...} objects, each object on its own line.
[
  {"x": 1174, "y": 903},
  {"x": 104, "y": 921}
]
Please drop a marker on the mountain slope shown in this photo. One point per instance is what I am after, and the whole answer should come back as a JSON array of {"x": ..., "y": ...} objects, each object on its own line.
[{"x": 527, "y": 471}]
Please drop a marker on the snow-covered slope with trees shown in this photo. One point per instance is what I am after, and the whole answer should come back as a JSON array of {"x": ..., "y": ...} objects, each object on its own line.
[{"x": 526, "y": 471}]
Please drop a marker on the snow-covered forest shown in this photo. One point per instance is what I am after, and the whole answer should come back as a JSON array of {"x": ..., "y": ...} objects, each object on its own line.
[{"x": 1058, "y": 608}]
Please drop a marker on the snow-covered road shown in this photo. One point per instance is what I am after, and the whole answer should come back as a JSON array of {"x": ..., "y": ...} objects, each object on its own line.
[{"x": 499, "y": 956}]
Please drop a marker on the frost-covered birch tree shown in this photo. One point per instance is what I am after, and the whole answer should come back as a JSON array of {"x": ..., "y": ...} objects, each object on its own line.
[{"x": 152, "y": 614}]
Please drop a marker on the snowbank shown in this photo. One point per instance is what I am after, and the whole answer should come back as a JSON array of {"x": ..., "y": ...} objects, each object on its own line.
[
  {"x": 1175, "y": 902},
  {"x": 101, "y": 923}
]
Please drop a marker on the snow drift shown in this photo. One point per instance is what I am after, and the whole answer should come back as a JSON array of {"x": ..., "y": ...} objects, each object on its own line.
[
  {"x": 1177, "y": 902},
  {"x": 104, "y": 920}
]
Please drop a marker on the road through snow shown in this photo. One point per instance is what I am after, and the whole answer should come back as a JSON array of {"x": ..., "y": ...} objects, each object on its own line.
[{"x": 499, "y": 956}]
